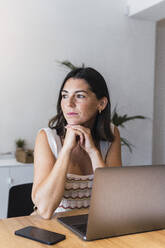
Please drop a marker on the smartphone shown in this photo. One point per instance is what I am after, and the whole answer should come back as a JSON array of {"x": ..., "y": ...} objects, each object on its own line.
[{"x": 40, "y": 235}]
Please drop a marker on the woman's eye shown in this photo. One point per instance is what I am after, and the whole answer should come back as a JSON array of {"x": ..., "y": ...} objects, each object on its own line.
[
  {"x": 64, "y": 96},
  {"x": 80, "y": 96}
]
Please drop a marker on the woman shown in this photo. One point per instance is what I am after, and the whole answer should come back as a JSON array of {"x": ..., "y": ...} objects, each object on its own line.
[{"x": 79, "y": 139}]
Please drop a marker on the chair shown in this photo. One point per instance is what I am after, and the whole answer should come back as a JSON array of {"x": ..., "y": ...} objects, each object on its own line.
[{"x": 19, "y": 201}]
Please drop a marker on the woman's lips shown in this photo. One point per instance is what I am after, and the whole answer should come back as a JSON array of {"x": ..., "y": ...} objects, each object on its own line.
[{"x": 72, "y": 114}]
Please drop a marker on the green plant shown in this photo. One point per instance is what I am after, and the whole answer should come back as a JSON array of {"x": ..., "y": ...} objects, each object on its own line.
[
  {"x": 20, "y": 143},
  {"x": 69, "y": 65},
  {"x": 117, "y": 120}
]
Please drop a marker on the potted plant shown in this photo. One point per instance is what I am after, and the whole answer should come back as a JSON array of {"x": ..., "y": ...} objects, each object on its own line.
[
  {"x": 20, "y": 144},
  {"x": 22, "y": 155}
]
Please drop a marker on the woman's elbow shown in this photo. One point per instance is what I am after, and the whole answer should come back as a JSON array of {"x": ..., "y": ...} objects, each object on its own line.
[
  {"x": 44, "y": 211},
  {"x": 45, "y": 214},
  {"x": 41, "y": 208}
]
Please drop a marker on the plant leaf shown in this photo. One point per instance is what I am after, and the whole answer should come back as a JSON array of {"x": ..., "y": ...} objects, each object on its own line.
[
  {"x": 125, "y": 142},
  {"x": 119, "y": 120},
  {"x": 69, "y": 65}
]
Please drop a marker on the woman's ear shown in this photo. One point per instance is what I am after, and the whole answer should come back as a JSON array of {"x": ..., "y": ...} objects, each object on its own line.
[{"x": 102, "y": 103}]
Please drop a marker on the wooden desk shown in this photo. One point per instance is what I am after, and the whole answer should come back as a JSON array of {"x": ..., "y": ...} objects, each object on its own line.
[{"x": 154, "y": 239}]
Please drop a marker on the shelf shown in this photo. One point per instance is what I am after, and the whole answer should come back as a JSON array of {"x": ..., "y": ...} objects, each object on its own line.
[{"x": 5, "y": 162}]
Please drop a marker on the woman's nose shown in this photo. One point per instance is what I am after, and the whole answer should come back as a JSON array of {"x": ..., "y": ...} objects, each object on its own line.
[{"x": 71, "y": 101}]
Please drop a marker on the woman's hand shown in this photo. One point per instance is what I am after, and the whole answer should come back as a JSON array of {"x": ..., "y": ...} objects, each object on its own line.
[
  {"x": 72, "y": 138},
  {"x": 82, "y": 136}
]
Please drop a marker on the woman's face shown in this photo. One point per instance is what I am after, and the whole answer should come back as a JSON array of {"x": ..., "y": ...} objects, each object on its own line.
[{"x": 79, "y": 104}]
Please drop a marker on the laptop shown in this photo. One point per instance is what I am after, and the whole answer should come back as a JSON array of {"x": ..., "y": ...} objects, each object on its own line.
[{"x": 124, "y": 200}]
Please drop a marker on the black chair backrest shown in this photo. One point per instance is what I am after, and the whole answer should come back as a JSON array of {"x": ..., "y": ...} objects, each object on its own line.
[{"x": 19, "y": 201}]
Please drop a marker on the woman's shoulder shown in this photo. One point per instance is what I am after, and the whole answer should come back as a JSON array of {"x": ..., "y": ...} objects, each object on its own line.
[
  {"x": 47, "y": 130},
  {"x": 52, "y": 137},
  {"x": 114, "y": 129}
]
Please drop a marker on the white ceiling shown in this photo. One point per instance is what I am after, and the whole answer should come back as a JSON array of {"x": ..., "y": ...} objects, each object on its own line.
[{"x": 155, "y": 12}]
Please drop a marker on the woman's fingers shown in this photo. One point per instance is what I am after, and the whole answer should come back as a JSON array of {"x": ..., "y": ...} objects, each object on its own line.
[
  {"x": 86, "y": 140},
  {"x": 77, "y": 133},
  {"x": 84, "y": 130}
]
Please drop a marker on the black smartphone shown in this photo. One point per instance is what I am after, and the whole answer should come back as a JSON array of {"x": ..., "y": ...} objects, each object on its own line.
[{"x": 40, "y": 235}]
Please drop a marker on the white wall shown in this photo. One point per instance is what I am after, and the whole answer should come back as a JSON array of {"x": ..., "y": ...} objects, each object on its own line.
[
  {"x": 159, "y": 106},
  {"x": 35, "y": 34}
]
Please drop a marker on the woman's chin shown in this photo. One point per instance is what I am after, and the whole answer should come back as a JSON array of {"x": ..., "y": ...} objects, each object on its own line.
[
  {"x": 74, "y": 122},
  {"x": 82, "y": 123}
]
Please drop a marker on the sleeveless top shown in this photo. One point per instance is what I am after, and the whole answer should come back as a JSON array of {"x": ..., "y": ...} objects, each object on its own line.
[{"x": 78, "y": 188}]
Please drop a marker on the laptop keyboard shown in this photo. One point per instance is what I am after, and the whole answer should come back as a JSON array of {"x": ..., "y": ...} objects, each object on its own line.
[
  {"x": 81, "y": 228},
  {"x": 76, "y": 223}
]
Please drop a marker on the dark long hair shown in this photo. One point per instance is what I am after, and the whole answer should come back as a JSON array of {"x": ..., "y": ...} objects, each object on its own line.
[{"x": 97, "y": 84}]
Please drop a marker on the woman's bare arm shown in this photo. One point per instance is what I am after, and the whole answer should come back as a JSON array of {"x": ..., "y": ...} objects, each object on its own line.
[
  {"x": 113, "y": 157},
  {"x": 49, "y": 176},
  {"x": 50, "y": 173}
]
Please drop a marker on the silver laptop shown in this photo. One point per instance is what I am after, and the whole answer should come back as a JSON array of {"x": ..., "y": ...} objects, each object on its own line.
[{"x": 124, "y": 200}]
